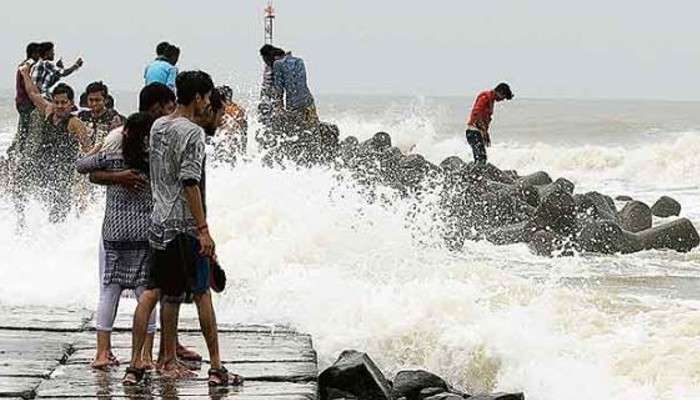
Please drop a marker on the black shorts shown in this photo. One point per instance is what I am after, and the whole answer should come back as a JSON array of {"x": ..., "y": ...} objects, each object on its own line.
[{"x": 179, "y": 270}]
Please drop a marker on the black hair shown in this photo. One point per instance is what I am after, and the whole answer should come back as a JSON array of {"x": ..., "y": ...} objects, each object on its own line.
[
  {"x": 83, "y": 100},
  {"x": 155, "y": 93},
  {"x": 172, "y": 53},
  {"x": 217, "y": 104},
  {"x": 62, "y": 88},
  {"x": 216, "y": 99},
  {"x": 504, "y": 90},
  {"x": 270, "y": 52},
  {"x": 109, "y": 102},
  {"x": 189, "y": 84},
  {"x": 95, "y": 87},
  {"x": 162, "y": 48},
  {"x": 226, "y": 93},
  {"x": 44, "y": 48},
  {"x": 33, "y": 49},
  {"x": 134, "y": 148}
]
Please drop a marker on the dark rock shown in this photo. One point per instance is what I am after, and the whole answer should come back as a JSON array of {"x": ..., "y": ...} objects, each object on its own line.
[
  {"x": 499, "y": 396},
  {"x": 601, "y": 236},
  {"x": 335, "y": 394},
  {"x": 636, "y": 216},
  {"x": 428, "y": 392},
  {"x": 556, "y": 212},
  {"x": 452, "y": 165},
  {"x": 679, "y": 235},
  {"x": 355, "y": 373},
  {"x": 445, "y": 396},
  {"x": 509, "y": 234},
  {"x": 565, "y": 184},
  {"x": 512, "y": 174},
  {"x": 666, "y": 207},
  {"x": 596, "y": 206},
  {"x": 379, "y": 142},
  {"x": 543, "y": 243},
  {"x": 623, "y": 198},
  {"x": 527, "y": 193},
  {"x": 537, "y": 179},
  {"x": 409, "y": 384},
  {"x": 488, "y": 171},
  {"x": 560, "y": 184},
  {"x": 632, "y": 242}
]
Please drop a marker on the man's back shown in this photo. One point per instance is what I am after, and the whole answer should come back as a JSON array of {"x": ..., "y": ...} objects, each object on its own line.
[
  {"x": 290, "y": 76},
  {"x": 161, "y": 71},
  {"x": 176, "y": 155}
]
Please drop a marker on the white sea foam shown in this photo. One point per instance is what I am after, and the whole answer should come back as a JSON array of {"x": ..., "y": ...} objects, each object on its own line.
[{"x": 305, "y": 249}]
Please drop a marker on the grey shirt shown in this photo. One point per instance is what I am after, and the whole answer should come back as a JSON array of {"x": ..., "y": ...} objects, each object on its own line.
[{"x": 176, "y": 155}]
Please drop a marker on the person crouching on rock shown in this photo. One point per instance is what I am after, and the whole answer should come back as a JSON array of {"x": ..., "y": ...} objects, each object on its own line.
[{"x": 478, "y": 135}]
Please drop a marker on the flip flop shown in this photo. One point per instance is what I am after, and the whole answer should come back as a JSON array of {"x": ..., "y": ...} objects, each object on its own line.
[
  {"x": 137, "y": 374},
  {"x": 224, "y": 378}
]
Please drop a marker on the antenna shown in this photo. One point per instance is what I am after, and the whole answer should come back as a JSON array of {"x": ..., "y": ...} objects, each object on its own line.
[{"x": 269, "y": 22}]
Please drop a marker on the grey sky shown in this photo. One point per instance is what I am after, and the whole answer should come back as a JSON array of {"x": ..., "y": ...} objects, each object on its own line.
[{"x": 545, "y": 48}]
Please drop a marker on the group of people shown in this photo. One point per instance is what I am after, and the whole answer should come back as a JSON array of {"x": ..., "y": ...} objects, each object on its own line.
[{"x": 155, "y": 238}]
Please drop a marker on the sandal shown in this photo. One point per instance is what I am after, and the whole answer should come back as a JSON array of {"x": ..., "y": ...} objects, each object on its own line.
[
  {"x": 137, "y": 374},
  {"x": 113, "y": 360},
  {"x": 221, "y": 377}
]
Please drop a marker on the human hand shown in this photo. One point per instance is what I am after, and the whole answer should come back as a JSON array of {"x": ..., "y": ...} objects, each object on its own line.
[
  {"x": 59, "y": 63},
  {"x": 132, "y": 181},
  {"x": 78, "y": 62},
  {"x": 206, "y": 243}
]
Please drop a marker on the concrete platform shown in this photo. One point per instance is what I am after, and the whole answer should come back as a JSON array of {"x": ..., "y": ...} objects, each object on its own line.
[{"x": 48, "y": 356}]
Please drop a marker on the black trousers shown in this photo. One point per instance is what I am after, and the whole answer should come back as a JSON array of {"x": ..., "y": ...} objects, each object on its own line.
[{"x": 476, "y": 141}]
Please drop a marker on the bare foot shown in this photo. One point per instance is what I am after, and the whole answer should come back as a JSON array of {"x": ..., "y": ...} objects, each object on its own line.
[
  {"x": 101, "y": 362},
  {"x": 187, "y": 354},
  {"x": 174, "y": 369}
]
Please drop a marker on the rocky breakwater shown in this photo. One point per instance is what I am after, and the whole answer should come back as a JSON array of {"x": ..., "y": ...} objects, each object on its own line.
[
  {"x": 355, "y": 376},
  {"x": 483, "y": 202}
]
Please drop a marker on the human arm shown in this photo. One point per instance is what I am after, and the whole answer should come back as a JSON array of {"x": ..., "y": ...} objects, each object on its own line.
[
  {"x": 78, "y": 63},
  {"x": 194, "y": 200},
  {"x": 77, "y": 128},
  {"x": 172, "y": 76},
  {"x": 128, "y": 178},
  {"x": 190, "y": 175},
  {"x": 33, "y": 91}
]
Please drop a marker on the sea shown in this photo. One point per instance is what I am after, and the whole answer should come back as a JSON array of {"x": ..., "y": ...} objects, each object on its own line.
[{"x": 308, "y": 250}]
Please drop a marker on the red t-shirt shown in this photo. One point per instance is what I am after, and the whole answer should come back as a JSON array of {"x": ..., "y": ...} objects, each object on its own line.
[{"x": 483, "y": 110}]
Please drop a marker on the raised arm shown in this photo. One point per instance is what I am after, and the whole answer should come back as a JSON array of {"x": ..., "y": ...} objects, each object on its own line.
[
  {"x": 33, "y": 92},
  {"x": 78, "y": 63}
]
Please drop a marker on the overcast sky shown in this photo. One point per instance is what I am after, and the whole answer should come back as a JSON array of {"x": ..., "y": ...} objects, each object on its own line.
[{"x": 545, "y": 48}]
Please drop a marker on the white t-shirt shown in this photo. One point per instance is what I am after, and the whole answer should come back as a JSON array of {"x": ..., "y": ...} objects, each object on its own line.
[{"x": 113, "y": 141}]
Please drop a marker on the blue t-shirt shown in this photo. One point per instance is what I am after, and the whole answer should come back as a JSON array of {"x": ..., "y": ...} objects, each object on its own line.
[
  {"x": 161, "y": 71},
  {"x": 289, "y": 77}
]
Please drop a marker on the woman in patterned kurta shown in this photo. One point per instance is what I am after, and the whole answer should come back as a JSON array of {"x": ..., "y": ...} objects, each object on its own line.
[{"x": 124, "y": 232}]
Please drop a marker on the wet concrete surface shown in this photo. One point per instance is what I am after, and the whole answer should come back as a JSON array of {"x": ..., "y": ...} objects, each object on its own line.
[{"x": 48, "y": 355}]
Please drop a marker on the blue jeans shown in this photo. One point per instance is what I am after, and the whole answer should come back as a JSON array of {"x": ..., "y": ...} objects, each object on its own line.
[{"x": 476, "y": 141}]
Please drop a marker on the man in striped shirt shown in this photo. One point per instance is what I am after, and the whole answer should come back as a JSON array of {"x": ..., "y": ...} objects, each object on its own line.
[{"x": 46, "y": 74}]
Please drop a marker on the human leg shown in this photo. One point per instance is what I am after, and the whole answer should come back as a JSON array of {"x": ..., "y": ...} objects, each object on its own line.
[
  {"x": 106, "y": 310},
  {"x": 476, "y": 141}
]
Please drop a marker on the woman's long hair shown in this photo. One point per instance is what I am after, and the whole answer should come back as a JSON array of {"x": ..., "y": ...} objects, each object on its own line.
[{"x": 137, "y": 129}]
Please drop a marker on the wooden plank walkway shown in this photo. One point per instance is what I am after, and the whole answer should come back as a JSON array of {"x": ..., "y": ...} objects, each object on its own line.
[{"x": 46, "y": 355}]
